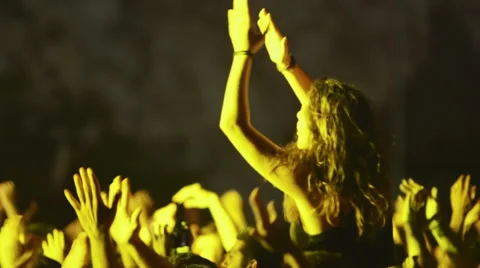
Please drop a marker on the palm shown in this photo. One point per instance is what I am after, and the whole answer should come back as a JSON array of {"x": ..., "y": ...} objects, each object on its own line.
[
  {"x": 123, "y": 227},
  {"x": 120, "y": 228},
  {"x": 431, "y": 206},
  {"x": 193, "y": 196},
  {"x": 275, "y": 42},
  {"x": 473, "y": 215},
  {"x": 240, "y": 28}
]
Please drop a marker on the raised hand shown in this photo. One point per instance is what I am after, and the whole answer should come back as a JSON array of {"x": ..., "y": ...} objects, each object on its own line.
[
  {"x": 164, "y": 219},
  {"x": 78, "y": 256},
  {"x": 472, "y": 217},
  {"x": 7, "y": 198},
  {"x": 410, "y": 186},
  {"x": 241, "y": 29},
  {"x": 275, "y": 42},
  {"x": 194, "y": 196},
  {"x": 267, "y": 230},
  {"x": 54, "y": 246},
  {"x": 431, "y": 205},
  {"x": 419, "y": 203},
  {"x": 10, "y": 236},
  {"x": 407, "y": 214},
  {"x": 94, "y": 216},
  {"x": 462, "y": 195},
  {"x": 123, "y": 226}
]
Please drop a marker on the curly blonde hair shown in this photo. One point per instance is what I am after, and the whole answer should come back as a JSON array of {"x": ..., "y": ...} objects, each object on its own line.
[{"x": 342, "y": 164}]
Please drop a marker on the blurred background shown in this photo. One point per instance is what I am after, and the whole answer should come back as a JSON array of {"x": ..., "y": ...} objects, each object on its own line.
[{"x": 134, "y": 88}]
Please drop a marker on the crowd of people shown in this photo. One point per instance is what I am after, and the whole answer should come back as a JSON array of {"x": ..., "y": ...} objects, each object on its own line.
[{"x": 337, "y": 198}]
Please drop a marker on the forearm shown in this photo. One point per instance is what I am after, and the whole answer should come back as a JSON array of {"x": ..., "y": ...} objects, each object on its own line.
[
  {"x": 413, "y": 240},
  {"x": 235, "y": 109},
  {"x": 456, "y": 222},
  {"x": 293, "y": 257},
  {"x": 145, "y": 257},
  {"x": 127, "y": 260},
  {"x": 299, "y": 81},
  {"x": 225, "y": 226},
  {"x": 445, "y": 242},
  {"x": 102, "y": 251}
]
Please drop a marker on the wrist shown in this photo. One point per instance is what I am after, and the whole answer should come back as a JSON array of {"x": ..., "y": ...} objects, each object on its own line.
[
  {"x": 287, "y": 66},
  {"x": 99, "y": 234},
  {"x": 213, "y": 200},
  {"x": 456, "y": 220},
  {"x": 409, "y": 228},
  {"x": 242, "y": 53}
]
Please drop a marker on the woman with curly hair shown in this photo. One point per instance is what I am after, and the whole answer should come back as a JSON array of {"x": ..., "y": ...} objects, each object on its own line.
[{"x": 332, "y": 174}]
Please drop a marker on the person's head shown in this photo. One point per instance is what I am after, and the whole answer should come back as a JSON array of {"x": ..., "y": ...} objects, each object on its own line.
[
  {"x": 337, "y": 153},
  {"x": 248, "y": 252},
  {"x": 190, "y": 260}
]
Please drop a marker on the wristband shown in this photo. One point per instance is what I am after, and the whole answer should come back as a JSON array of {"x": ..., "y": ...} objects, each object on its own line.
[{"x": 243, "y": 53}]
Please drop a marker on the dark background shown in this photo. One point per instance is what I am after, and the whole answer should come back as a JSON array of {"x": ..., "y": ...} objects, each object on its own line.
[{"x": 135, "y": 88}]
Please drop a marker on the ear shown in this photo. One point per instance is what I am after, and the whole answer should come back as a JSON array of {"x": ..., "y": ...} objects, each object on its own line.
[{"x": 252, "y": 264}]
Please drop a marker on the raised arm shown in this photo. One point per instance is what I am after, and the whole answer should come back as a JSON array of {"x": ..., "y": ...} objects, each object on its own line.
[
  {"x": 255, "y": 148},
  {"x": 194, "y": 196},
  {"x": 277, "y": 47}
]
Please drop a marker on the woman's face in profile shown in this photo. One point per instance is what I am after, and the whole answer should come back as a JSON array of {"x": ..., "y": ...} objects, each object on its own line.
[{"x": 304, "y": 134}]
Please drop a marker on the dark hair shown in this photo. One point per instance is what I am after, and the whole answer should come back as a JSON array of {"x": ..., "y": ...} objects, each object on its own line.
[
  {"x": 190, "y": 260},
  {"x": 255, "y": 251},
  {"x": 343, "y": 164}
]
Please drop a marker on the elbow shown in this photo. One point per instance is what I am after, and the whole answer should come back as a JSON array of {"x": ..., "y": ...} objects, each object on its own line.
[
  {"x": 226, "y": 126},
  {"x": 231, "y": 125}
]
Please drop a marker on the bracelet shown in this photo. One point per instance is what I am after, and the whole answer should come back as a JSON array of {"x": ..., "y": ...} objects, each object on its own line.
[
  {"x": 290, "y": 65},
  {"x": 243, "y": 53}
]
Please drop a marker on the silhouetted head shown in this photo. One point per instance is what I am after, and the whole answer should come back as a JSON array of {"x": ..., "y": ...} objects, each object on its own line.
[
  {"x": 336, "y": 152},
  {"x": 248, "y": 252}
]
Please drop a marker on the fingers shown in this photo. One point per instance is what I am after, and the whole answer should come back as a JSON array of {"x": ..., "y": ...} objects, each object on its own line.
[
  {"x": 434, "y": 192},
  {"x": 194, "y": 203},
  {"x": 284, "y": 42},
  {"x": 114, "y": 189},
  {"x": 241, "y": 5},
  {"x": 459, "y": 182},
  {"x": 125, "y": 194},
  {"x": 54, "y": 241},
  {"x": 405, "y": 186},
  {"x": 165, "y": 216},
  {"x": 61, "y": 238},
  {"x": 263, "y": 21},
  {"x": 94, "y": 188},
  {"x": 79, "y": 188},
  {"x": 463, "y": 187},
  {"x": 50, "y": 240},
  {"x": 272, "y": 212},
  {"x": 134, "y": 219},
  {"x": 73, "y": 202},
  {"x": 261, "y": 217},
  {"x": 45, "y": 246},
  {"x": 104, "y": 197},
  {"x": 85, "y": 186},
  {"x": 473, "y": 192},
  {"x": 187, "y": 192},
  {"x": 25, "y": 259}
]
